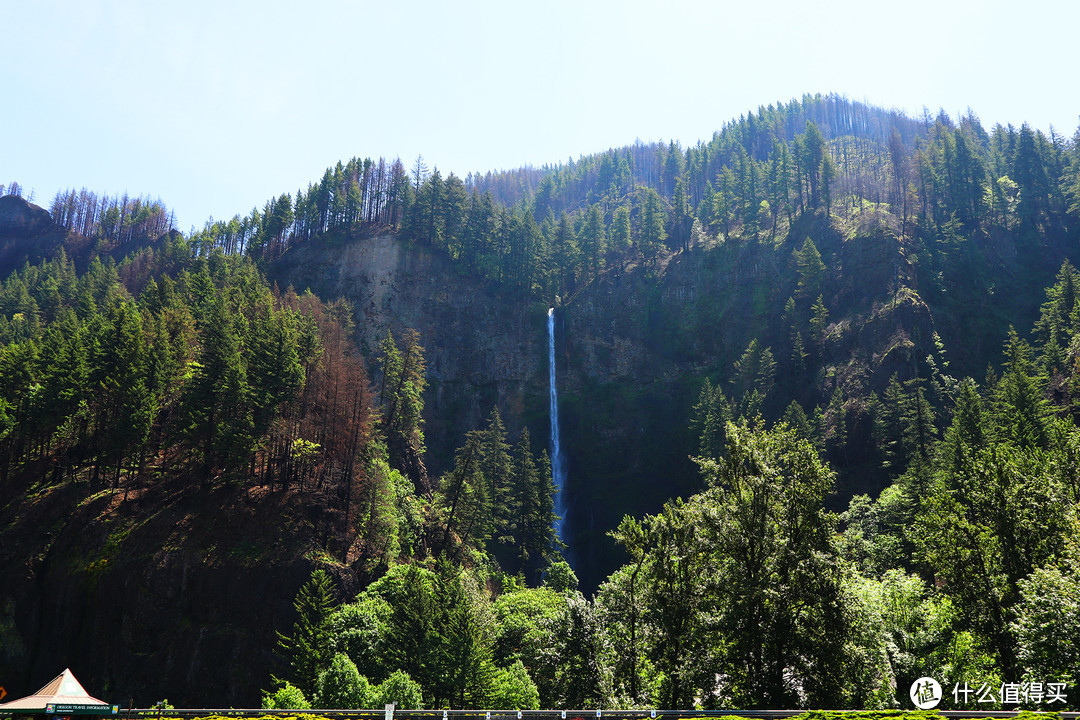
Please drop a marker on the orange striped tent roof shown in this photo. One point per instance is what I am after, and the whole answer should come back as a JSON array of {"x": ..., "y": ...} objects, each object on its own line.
[{"x": 63, "y": 690}]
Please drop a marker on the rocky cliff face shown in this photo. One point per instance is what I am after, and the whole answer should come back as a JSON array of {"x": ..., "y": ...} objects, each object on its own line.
[
  {"x": 482, "y": 350},
  {"x": 153, "y": 593},
  {"x": 632, "y": 350},
  {"x": 27, "y": 233}
]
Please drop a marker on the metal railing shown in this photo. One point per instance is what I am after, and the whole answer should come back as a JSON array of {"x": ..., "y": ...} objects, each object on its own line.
[{"x": 189, "y": 713}]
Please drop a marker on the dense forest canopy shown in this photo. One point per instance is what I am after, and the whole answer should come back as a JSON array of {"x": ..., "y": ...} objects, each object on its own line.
[{"x": 149, "y": 364}]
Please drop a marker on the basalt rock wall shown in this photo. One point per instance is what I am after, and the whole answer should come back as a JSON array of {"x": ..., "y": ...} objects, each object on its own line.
[{"x": 633, "y": 347}]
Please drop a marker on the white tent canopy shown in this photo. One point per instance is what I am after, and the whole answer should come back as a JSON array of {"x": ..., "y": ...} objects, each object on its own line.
[{"x": 63, "y": 694}]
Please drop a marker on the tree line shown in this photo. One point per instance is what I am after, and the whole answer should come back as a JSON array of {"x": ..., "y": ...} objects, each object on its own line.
[
  {"x": 113, "y": 222},
  {"x": 548, "y": 231}
]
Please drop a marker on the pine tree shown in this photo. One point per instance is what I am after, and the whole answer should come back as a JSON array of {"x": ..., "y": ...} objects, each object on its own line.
[
  {"x": 819, "y": 320},
  {"x": 496, "y": 467},
  {"x": 307, "y": 647},
  {"x": 401, "y": 396},
  {"x": 651, "y": 232},
  {"x": 274, "y": 371},
  {"x": 1020, "y": 406},
  {"x": 709, "y": 419},
  {"x": 216, "y": 400},
  {"x": 414, "y": 644},
  {"x": 620, "y": 230},
  {"x": 565, "y": 255},
  {"x": 467, "y": 673},
  {"x": 811, "y": 269},
  {"x": 128, "y": 404},
  {"x": 534, "y": 511},
  {"x": 463, "y": 501},
  {"x": 592, "y": 240}
]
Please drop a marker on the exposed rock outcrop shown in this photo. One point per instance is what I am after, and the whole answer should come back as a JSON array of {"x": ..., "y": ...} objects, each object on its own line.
[
  {"x": 20, "y": 218},
  {"x": 27, "y": 233}
]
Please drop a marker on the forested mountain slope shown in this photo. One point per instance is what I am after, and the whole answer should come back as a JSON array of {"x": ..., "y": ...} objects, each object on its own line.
[
  {"x": 832, "y": 256},
  {"x": 801, "y": 303}
]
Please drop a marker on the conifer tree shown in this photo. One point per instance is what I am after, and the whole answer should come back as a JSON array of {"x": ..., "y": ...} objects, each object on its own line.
[
  {"x": 414, "y": 644},
  {"x": 467, "y": 674},
  {"x": 496, "y": 466},
  {"x": 307, "y": 647},
  {"x": 401, "y": 396},
  {"x": 128, "y": 404},
  {"x": 620, "y": 230},
  {"x": 534, "y": 511},
  {"x": 216, "y": 398},
  {"x": 651, "y": 232},
  {"x": 1019, "y": 404},
  {"x": 811, "y": 270}
]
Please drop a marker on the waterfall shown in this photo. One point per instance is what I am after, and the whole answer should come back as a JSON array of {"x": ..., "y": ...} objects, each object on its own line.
[{"x": 558, "y": 467}]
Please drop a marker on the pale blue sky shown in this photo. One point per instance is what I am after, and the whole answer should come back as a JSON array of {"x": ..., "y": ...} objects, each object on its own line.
[{"x": 216, "y": 106}]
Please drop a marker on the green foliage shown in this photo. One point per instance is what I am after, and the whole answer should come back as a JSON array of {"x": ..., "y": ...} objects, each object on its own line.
[
  {"x": 413, "y": 641},
  {"x": 286, "y": 697},
  {"x": 811, "y": 270},
  {"x": 709, "y": 420},
  {"x": 399, "y": 689},
  {"x": 1019, "y": 404},
  {"x": 1047, "y": 624},
  {"x": 652, "y": 232},
  {"x": 710, "y": 572},
  {"x": 742, "y": 595},
  {"x": 341, "y": 686},
  {"x": 307, "y": 648},
  {"x": 567, "y": 673},
  {"x": 531, "y": 517},
  {"x": 466, "y": 671},
  {"x": 819, "y": 318},
  {"x": 501, "y": 499},
  {"x": 523, "y": 624},
  {"x": 359, "y": 630},
  {"x": 513, "y": 689},
  {"x": 774, "y": 539},
  {"x": 754, "y": 374},
  {"x": 401, "y": 390},
  {"x": 560, "y": 577},
  {"x": 989, "y": 524}
]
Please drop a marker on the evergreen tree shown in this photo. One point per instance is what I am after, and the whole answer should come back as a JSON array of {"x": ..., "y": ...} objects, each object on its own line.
[
  {"x": 307, "y": 647},
  {"x": 219, "y": 418},
  {"x": 651, "y": 232},
  {"x": 414, "y": 644},
  {"x": 755, "y": 371},
  {"x": 463, "y": 500},
  {"x": 1019, "y": 404},
  {"x": 620, "y": 230},
  {"x": 401, "y": 396},
  {"x": 128, "y": 405},
  {"x": 533, "y": 507},
  {"x": 592, "y": 240},
  {"x": 466, "y": 679},
  {"x": 565, "y": 255},
  {"x": 811, "y": 270},
  {"x": 709, "y": 419},
  {"x": 275, "y": 372},
  {"x": 496, "y": 466}
]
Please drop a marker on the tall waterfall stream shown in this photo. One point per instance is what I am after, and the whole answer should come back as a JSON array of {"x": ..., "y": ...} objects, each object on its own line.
[{"x": 558, "y": 465}]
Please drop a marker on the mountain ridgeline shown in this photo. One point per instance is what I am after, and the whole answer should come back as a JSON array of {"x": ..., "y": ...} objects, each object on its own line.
[{"x": 816, "y": 387}]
